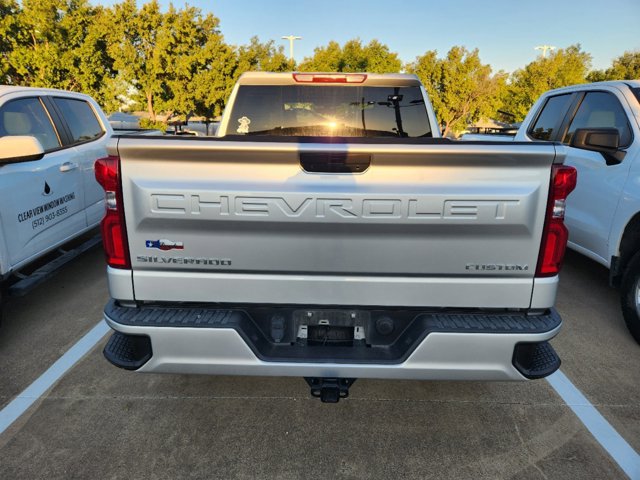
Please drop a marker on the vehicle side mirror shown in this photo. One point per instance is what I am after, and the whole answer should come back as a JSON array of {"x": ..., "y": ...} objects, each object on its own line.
[
  {"x": 14, "y": 149},
  {"x": 603, "y": 140}
]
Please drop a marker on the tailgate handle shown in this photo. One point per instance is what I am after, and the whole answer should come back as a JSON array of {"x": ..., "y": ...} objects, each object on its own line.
[{"x": 334, "y": 162}]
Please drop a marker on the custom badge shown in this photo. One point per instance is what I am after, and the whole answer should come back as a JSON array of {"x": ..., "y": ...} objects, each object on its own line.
[
  {"x": 244, "y": 125},
  {"x": 164, "y": 244}
]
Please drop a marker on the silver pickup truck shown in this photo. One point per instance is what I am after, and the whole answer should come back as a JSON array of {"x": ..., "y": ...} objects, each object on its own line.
[{"x": 330, "y": 233}]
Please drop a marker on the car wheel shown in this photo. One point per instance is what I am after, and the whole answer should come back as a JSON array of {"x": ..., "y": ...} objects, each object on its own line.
[{"x": 630, "y": 296}]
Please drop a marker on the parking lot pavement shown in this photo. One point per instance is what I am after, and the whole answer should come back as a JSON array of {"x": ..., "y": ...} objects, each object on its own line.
[
  {"x": 598, "y": 353},
  {"x": 102, "y": 422},
  {"x": 39, "y": 327}
]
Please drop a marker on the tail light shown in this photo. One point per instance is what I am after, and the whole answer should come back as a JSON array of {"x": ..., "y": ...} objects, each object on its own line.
[
  {"x": 555, "y": 234},
  {"x": 114, "y": 232},
  {"x": 329, "y": 77}
]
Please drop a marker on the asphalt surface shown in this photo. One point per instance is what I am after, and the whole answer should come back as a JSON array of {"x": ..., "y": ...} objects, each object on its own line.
[{"x": 102, "y": 422}]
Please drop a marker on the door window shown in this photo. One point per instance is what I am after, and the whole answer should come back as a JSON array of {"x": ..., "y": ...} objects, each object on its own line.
[
  {"x": 600, "y": 110},
  {"x": 81, "y": 119},
  {"x": 27, "y": 116},
  {"x": 550, "y": 118}
]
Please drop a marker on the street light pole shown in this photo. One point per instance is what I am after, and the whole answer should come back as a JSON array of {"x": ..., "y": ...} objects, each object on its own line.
[
  {"x": 291, "y": 38},
  {"x": 544, "y": 49}
]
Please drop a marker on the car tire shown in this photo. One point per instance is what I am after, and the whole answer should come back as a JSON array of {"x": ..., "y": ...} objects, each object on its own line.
[{"x": 630, "y": 296}]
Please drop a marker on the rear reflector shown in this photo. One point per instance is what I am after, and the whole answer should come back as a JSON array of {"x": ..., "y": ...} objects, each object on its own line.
[
  {"x": 555, "y": 234},
  {"x": 329, "y": 77},
  {"x": 114, "y": 233}
]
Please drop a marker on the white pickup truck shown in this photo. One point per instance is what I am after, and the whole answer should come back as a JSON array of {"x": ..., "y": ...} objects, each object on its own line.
[
  {"x": 330, "y": 233},
  {"x": 599, "y": 124},
  {"x": 49, "y": 142}
]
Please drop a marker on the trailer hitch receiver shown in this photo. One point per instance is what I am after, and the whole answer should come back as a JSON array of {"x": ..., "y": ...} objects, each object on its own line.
[{"x": 329, "y": 390}]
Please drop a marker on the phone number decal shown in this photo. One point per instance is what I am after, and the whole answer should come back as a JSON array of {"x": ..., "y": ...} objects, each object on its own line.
[{"x": 41, "y": 221}]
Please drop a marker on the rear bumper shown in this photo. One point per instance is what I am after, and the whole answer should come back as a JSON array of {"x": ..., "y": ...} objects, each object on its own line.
[{"x": 428, "y": 346}]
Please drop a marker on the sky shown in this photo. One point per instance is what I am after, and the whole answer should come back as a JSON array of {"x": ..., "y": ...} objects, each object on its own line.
[{"x": 505, "y": 32}]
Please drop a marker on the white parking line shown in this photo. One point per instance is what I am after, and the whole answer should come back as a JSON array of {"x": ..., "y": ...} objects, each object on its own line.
[
  {"x": 625, "y": 456},
  {"x": 33, "y": 392}
]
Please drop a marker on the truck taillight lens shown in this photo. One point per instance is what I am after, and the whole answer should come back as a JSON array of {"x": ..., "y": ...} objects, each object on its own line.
[
  {"x": 555, "y": 234},
  {"x": 114, "y": 233}
]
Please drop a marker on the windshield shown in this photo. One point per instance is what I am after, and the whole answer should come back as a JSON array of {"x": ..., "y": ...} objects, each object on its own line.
[{"x": 343, "y": 111}]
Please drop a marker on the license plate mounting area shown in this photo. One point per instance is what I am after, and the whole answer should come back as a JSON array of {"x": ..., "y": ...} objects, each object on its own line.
[{"x": 344, "y": 328}]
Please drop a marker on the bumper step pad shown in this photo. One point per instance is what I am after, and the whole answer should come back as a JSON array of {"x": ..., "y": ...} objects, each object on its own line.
[
  {"x": 128, "y": 351},
  {"x": 535, "y": 360}
]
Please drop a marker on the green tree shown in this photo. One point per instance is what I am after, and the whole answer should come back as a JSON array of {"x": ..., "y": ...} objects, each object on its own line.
[
  {"x": 92, "y": 66},
  {"x": 9, "y": 28},
  {"x": 196, "y": 74},
  {"x": 87, "y": 67},
  {"x": 462, "y": 89},
  {"x": 324, "y": 59},
  {"x": 36, "y": 48},
  {"x": 264, "y": 57},
  {"x": 597, "y": 76},
  {"x": 373, "y": 57},
  {"x": 176, "y": 60},
  {"x": 214, "y": 83},
  {"x": 136, "y": 43},
  {"x": 561, "y": 68},
  {"x": 53, "y": 44},
  {"x": 380, "y": 59},
  {"x": 625, "y": 67}
]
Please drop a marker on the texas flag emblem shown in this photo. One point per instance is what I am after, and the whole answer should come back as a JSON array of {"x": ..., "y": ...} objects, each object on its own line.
[{"x": 163, "y": 244}]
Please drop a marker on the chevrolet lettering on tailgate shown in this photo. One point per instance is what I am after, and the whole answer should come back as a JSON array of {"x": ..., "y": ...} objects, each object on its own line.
[{"x": 411, "y": 208}]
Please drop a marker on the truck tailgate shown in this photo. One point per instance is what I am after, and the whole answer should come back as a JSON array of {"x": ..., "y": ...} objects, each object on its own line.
[{"x": 433, "y": 224}]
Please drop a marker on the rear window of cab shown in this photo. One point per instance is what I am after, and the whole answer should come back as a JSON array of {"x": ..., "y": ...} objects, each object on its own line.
[{"x": 343, "y": 111}]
